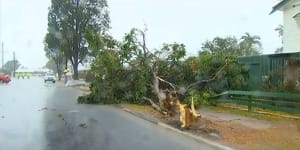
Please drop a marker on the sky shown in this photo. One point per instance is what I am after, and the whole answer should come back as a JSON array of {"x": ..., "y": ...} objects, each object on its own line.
[{"x": 23, "y": 24}]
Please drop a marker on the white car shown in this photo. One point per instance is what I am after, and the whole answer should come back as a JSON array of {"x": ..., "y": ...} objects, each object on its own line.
[{"x": 49, "y": 77}]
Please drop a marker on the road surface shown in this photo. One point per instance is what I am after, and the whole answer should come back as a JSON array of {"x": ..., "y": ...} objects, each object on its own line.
[{"x": 44, "y": 116}]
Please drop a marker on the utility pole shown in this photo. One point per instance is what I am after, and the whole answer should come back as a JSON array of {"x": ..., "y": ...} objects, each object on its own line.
[
  {"x": 14, "y": 57},
  {"x": 2, "y": 55}
]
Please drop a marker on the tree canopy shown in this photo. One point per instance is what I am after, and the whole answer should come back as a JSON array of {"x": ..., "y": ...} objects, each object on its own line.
[{"x": 68, "y": 23}]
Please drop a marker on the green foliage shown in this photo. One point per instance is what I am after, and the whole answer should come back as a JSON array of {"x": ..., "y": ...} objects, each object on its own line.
[
  {"x": 123, "y": 71},
  {"x": 170, "y": 64},
  {"x": 107, "y": 70},
  {"x": 228, "y": 73},
  {"x": 199, "y": 97},
  {"x": 98, "y": 42},
  {"x": 175, "y": 52},
  {"x": 120, "y": 74},
  {"x": 86, "y": 99}
]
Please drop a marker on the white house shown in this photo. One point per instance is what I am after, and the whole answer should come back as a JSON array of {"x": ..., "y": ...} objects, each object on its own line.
[{"x": 291, "y": 24}]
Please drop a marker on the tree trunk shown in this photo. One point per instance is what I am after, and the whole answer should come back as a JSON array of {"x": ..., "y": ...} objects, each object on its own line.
[
  {"x": 58, "y": 69},
  {"x": 66, "y": 63},
  {"x": 75, "y": 69},
  {"x": 155, "y": 88}
]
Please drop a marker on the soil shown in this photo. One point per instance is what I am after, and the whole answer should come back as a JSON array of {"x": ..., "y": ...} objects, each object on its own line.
[{"x": 237, "y": 131}]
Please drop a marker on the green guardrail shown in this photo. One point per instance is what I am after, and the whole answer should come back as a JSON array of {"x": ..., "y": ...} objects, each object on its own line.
[{"x": 285, "y": 102}]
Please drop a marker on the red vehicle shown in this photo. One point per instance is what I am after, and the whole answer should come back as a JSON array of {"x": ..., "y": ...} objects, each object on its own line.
[{"x": 4, "y": 78}]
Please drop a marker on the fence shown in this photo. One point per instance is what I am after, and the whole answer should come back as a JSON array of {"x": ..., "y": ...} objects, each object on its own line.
[{"x": 286, "y": 102}]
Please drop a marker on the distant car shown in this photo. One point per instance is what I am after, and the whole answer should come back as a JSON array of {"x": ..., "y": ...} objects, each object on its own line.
[
  {"x": 49, "y": 77},
  {"x": 4, "y": 78}
]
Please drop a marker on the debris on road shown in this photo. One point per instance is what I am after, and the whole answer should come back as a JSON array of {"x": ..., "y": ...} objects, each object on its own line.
[
  {"x": 82, "y": 125},
  {"x": 46, "y": 108}
]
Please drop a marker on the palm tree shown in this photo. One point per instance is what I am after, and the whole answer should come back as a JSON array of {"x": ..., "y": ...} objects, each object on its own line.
[
  {"x": 279, "y": 29},
  {"x": 250, "y": 45}
]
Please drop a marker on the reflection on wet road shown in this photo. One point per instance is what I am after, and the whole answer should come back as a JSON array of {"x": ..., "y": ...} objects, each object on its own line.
[
  {"x": 20, "y": 122},
  {"x": 39, "y": 116}
]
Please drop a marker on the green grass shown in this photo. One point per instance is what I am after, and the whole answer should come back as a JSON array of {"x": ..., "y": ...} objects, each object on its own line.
[{"x": 242, "y": 110}]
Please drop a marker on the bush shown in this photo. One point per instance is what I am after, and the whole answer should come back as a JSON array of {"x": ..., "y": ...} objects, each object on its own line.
[
  {"x": 228, "y": 77},
  {"x": 87, "y": 99}
]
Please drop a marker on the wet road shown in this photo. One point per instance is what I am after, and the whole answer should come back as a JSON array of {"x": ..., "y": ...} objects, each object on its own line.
[{"x": 39, "y": 116}]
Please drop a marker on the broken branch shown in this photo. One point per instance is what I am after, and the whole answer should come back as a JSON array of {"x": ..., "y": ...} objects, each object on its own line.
[
  {"x": 171, "y": 84},
  {"x": 152, "y": 103}
]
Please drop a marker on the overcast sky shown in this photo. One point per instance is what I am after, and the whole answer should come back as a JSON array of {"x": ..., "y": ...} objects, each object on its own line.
[{"x": 23, "y": 23}]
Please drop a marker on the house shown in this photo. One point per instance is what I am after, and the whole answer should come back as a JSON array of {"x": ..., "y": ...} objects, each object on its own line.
[{"x": 291, "y": 24}]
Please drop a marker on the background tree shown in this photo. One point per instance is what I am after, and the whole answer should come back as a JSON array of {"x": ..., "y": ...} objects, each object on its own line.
[
  {"x": 224, "y": 45},
  {"x": 8, "y": 67},
  {"x": 69, "y": 20},
  {"x": 54, "y": 53},
  {"x": 250, "y": 45},
  {"x": 52, "y": 66}
]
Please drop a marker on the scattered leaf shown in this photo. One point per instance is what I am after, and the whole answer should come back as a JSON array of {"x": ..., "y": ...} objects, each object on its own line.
[
  {"x": 82, "y": 125},
  {"x": 59, "y": 115}
]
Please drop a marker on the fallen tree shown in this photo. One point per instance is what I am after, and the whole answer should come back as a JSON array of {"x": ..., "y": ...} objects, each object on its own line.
[{"x": 129, "y": 71}]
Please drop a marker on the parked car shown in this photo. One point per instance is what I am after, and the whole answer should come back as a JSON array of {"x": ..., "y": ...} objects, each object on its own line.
[
  {"x": 49, "y": 77},
  {"x": 4, "y": 78}
]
